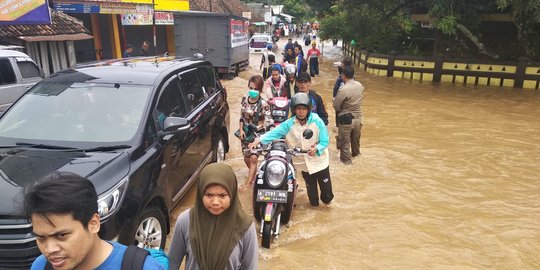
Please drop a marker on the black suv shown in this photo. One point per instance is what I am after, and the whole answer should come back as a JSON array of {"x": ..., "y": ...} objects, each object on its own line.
[{"x": 141, "y": 129}]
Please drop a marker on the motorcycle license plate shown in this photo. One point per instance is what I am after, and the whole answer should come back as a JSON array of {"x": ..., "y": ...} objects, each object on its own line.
[
  {"x": 279, "y": 113},
  {"x": 277, "y": 153},
  {"x": 270, "y": 195}
]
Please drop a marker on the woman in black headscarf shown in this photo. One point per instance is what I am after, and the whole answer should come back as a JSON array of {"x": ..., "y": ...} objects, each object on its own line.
[{"x": 215, "y": 234}]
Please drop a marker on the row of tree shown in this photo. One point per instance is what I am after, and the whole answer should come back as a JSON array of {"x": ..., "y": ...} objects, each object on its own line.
[{"x": 455, "y": 27}]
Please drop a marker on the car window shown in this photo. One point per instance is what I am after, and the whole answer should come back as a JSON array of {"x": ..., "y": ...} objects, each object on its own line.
[
  {"x": 77, "y": 112},
  {"x": 151, "y": 135},
  {"x": 28, "y": 69},
  {"x": 207, "y": 79},
  {"x": 7, "y": 76},
  {"x": 192, "y": 89},
  {"x": 171, "y": 102}
]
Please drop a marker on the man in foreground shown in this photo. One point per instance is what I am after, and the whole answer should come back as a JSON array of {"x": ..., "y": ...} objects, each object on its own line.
[{"x": 64, "y": 214}]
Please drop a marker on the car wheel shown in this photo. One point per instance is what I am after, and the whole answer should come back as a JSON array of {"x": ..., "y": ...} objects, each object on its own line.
[
  {"x": 151, "y": 229},
  {"x": 219, "y": 150}
]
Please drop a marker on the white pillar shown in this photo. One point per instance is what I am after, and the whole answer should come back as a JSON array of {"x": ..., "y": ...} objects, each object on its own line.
[
  {"x": 44, "y": 57},
  {"x": 62, "y": 52},
  {"x": 71, "y": 53},
  {"x": 54, "y": 56}
]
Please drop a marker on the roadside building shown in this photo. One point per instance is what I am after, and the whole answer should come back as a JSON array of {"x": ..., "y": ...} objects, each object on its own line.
[{"x": 50, "y": 45}]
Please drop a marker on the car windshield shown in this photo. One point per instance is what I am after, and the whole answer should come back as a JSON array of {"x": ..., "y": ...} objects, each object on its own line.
[{"x": 77, "y": 112}]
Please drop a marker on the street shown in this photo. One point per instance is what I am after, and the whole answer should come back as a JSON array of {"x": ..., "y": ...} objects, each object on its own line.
[{"x": 447, "y": 179}]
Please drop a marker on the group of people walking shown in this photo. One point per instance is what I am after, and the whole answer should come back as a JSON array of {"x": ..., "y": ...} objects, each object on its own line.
[{"x": 215, "y": 233}]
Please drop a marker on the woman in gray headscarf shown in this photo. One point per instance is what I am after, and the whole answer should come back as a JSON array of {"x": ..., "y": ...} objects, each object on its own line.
[{"x": 215, "y": 234}]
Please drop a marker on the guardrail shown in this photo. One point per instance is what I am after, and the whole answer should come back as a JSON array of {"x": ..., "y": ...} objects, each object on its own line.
[{"x": 520, "y": 74}]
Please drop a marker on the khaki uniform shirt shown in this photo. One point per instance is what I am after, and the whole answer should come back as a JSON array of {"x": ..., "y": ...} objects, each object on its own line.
[{"x": 349, "y": 99}]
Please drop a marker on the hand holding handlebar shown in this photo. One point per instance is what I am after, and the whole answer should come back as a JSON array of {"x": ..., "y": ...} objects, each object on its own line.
[
  {"x": 254, "y": 144},
  {"x": 312, "y": 151}
]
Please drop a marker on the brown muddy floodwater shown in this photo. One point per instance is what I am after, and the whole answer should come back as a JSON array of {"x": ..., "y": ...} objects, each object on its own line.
[{"x": 448, "y": 179}]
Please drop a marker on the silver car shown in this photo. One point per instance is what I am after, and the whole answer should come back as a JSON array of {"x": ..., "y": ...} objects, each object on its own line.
[{"x": 18, "y": 73}]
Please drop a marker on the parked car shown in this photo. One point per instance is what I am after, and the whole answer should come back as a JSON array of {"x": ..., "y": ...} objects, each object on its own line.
[
  {"x": 18, "y": 73},
  {"x": 141, "y": 129},
  {"x": 257, "y": 43}
]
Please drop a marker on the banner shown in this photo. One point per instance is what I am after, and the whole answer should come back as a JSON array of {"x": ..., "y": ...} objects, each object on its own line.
[
  {"x": 16, "y": 12},
  {"x": 164, "y": 18},
  {"x": 239, "y": 33},
  {"x": 136, "y": 19}
]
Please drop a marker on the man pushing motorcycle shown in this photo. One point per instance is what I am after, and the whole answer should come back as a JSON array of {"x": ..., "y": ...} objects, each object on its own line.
[{"x": 314, "y": 166}]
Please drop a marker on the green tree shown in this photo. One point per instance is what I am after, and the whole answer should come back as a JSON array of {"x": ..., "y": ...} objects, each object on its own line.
[
  {"x": 385, "y": 25},
  {"x": 527, "y": 19},
  {"x": 377, "y": 25}
]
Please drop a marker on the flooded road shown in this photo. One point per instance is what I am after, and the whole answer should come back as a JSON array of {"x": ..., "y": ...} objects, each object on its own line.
[{"x": 448, "y": 179}]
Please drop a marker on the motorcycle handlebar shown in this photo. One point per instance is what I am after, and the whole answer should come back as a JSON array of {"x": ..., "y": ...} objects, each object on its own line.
[{"x": 261, "y": 149}]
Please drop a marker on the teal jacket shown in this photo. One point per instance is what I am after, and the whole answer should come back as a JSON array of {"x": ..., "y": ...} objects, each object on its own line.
[{"x": 314, "y": 122}]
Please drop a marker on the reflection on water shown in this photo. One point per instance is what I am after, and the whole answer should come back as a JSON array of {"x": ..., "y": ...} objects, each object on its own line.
[{"x": 448, "y": 179}]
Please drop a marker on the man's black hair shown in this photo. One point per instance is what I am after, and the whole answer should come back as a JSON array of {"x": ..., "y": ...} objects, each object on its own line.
[
  {"x": 271, "y": 58},
  {"x": 275, "y": 69},
  {"x": 61, "y": 193},
  {"x": 347, "y": 61},
  {"x": 348, "y": 71}
]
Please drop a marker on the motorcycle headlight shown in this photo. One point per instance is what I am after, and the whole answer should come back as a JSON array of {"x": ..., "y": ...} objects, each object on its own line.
[
  {"x": 109, "y": 202},
  {"x": 275, "y": 173}
]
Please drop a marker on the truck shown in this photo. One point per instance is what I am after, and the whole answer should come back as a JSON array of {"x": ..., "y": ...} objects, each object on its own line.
[{"x": 222, "y": 39}]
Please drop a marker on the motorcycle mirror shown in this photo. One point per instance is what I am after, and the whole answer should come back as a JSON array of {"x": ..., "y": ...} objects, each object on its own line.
[{"x": 307, "y": 134}]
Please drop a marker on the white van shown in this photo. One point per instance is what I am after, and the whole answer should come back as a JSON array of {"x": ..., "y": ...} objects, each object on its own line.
[
  {"x": 257, "y": 43},
  {"x": 18, "y": 73}
]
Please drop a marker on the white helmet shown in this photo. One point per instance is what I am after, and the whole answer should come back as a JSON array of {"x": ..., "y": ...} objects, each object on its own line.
[{"x": 290, "y": 69}]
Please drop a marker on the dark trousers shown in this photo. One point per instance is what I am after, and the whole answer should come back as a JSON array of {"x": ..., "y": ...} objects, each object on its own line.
[
  {"x": 313, "y": 66},
  {"x": 322, "y": 178}
]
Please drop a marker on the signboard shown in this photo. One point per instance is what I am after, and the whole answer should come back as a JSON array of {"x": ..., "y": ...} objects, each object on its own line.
[
  {"x": 142, "y": 7},
  {"x": 136, "y": 19},
  {"x": 77, "y": 8},
  {"x": 172, "y": 5},
  {"x": 239, "y": 33},
  {"x": 123, "y": 8},
  {"x": 16, "y": 12},
  {"x": 246, "y": 15},
  {"x": 268, "y": 17},
  {"x": 162, "y": 18}
]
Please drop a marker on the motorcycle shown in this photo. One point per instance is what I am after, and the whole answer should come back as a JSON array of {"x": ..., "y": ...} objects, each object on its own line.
[
  {"x": 279, "y": 108},
  {"x": 275, "y": 186}
]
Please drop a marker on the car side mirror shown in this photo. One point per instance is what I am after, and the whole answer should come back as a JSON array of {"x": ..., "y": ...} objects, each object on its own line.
[{"x": 174, "y": 124}]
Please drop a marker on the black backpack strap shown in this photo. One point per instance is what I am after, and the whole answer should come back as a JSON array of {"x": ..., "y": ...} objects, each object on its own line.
[
  {"x": 134, "y": 258},
  {"x": 258, "y": 112}
]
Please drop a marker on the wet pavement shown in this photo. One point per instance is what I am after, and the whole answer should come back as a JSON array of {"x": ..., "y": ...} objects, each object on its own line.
[{"x": 448, "y": 179}]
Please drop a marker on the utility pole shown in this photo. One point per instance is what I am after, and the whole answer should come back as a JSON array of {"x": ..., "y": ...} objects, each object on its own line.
[{"x": 154, "y": 25}]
